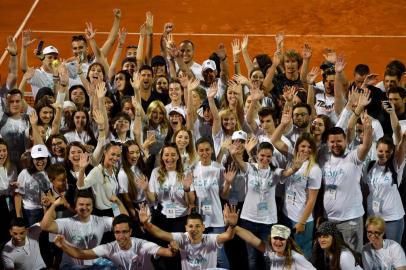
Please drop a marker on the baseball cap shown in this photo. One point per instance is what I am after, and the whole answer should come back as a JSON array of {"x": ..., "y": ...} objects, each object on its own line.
[
  {"x": 239, "y": 135},
  {"x": 50, "y": 49},
  {"x": 280, "y": 231},
  {"x": 208, "y": 64},
  {"x": 68, "y": 103},
  {"x": 178, "y": 110},
  {"x": 39, "y": 151}
]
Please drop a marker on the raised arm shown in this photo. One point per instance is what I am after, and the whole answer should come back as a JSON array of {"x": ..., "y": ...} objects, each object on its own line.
[
  {"x": 122, "y": 34},
  {"x": 228, "y": 175},
  {"x": 83, "y": 163},
  {"x": 400, "y": 151},
  {"x": 26, "y": 42},
  {"x": 230, "y": 215},
  {"x": 190, "y": 196},
  {"x": 256, "y": 95},
  {"x": 213, "y": 109},
  {"x": 276, "y": 138},
  {"x": 394, "y": 121},
  {"x": 236, "y": 47},
  {"x": 13, "y": 64},
  {"x": 311, "y": 77},
  {"x": 190, "y": 109},
  {"x": 251, "y": 239},
  {"x": 363, "y": 149},
  {"x": 168, "y": 28},
  {"x": 339, "y": 100},
  {"x": 108, "y": 44},
  {"x": 140, "y": 49},
  {"x": 149, "y": 23},
  {"x": 48, "y": 221},
  {"x": 307, "y": 54},
  {"x": 221, "y": 53},
  {"x": 83, "y": 254},
  {"x": 37, "y": 139},
  {"x": 90, "y": 33},
  {"x": 236, "y": 154},
  {"x": 98, "y": 150},
  {"x": 152, "y": 229},
  {"x": 245, "y": 55},
  {"x": 268, "y": 84}
]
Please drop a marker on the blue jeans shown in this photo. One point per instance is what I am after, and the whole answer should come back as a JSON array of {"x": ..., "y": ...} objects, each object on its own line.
[
  {"x": 305, "y": 239},
  {"x": 33, "y": 216},
  {"x": 255, "y": 258},
  {"x": 394, "y": 230},
  {"x": 222, "y": 260}
]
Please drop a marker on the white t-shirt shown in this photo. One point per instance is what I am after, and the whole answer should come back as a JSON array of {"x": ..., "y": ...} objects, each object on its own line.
[
  {"x": 389, "y": 257},
  {"x": 41, "y": 79},
  {"x": 170, "y": 194},
  {"x": 296, "y": 191},
  {"x": 278, "y": 158},
  {"x": 342, "y": 195},
  {"x": 32, "y": 187},
  {"x": 325, "y": 105},
  {"x": 278, "y": 263},
  {"x": 259, "y": 205},
  {"x": 207, "y": 181},
  {"x": 218, "y": 139},
  {"x": 347, "y": 261},
  {"x": 384, "y": 198},
  {"x": 197, "y": 256},
  {"x": 74, "y": 136},
  {"x": 83, "y": 235},
  {"x": 123, "y": 183},
  {"x": 137, "y": 257},
  {"x": 27, "y": 256},
  {"x": 103, "y": 185},
  {"x": 196, "y": 70}
]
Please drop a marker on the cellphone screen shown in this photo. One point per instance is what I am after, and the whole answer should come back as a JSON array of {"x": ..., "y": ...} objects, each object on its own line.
[{"x": 39, "y": 48}]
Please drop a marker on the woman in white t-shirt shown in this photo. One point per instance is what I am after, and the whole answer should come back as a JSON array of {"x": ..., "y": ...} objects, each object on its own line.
[
  {"x": 387, "y": 254},
  {"x": 175, "y": 92},
  {"x": 383, "y": 178},
  {"x": 280, "y": 250},
  {"x": 259, "y": 210},
  {"x": 131, "y": 176},
  {"x": 301, "y": 189},
  {"x": 183, "y": 139},
  {"x": 331, "y": 252},
  {"x": 171, "y": 191}
]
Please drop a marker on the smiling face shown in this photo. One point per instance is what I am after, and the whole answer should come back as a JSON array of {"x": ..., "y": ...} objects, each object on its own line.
[
  {"x": 205, "y": 151},
  {"x": 337, "y": 144},
  {"x": 122, "y": 233},
  {"x": 231, "y": 96},
  {"x": 80, "y": 119},
  {"x": 278, "y": 245},
  {"x": 195, "y": 229},
  {"x": 119, "y": 81},
  {"x": 112, "y": 156},
  {"x": 384, "y": 153},
  {"x": 78, "y": 96},
  {"x": 130, "y": 67},
  {"x": 84, "y": 207},
  {"x": 133, "y": 154},
  {"x": 325, "y": 241},
  {"x": 305, "y": 148},
  {"x": 264, "y": 158},
  {"x": 18, "y": 235},
  {"x": 169, "y": 158},
  {"x": 229, "y": 122},
  {"x": 157, "y": 116},
  {"x": 175, "y": 92},
  {"x": 122, "y": 125},
  {"x": 186, "y": 52},
  {"x": 162, "y": 84},
  {"x": 267, "y": 123},
  {"x": 46, "y": 114},
  {"x": 175, "y": 120},
  {"x": 375, "y": 235},
  {"x": 96, "y": 74},
  {"x": 291, "y": 65},
  {"x": 257, "y": 78},
  {"x": 317, "y": 127},
  {"x": 182, "y": 139},
  {"x": 58, "y": 147},
  {"x": 59, "y": 183},
  {"x": 3, "y": 154},
  {"x": 40, "y": 163},
  {"x": 74, "y": 155},
  {"x": 79, "y": 47}
]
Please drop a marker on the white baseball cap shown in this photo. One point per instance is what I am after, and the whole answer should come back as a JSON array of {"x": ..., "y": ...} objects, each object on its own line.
[
  {"x": 178, "y": 110},
  {"x": 208, "y": 64},
  {"x": 39, "y": 151},
  {"x": 239, "y": 135},
  {"x": 50, "y": 49}
]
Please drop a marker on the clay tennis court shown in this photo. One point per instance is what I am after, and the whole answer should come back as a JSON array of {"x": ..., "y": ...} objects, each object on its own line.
[{"x": 371, "y": 32}]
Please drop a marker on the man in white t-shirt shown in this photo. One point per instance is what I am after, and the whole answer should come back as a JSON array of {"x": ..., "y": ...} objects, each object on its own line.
[
  {"x": 83, "y": 230},
  {"x": 341, "y": 175},
  {"x": 197, "y": 250},
  {"x": 22, "y": 251},
  {"x": 126, "y": 252}
]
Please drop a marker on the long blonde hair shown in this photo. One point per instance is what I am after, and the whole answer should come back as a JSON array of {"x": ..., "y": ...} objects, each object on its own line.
[
  {"x": 162, "y": 172},
  {"x": 312, "y": 159},
  {"x": 156, "y": 104}
]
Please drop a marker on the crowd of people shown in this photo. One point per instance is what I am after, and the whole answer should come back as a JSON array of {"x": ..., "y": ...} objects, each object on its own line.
[{"x": 159, "y": 162}]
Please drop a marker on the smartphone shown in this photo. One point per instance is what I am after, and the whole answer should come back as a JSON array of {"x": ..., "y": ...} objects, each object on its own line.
[
  {"x": 39, "y": 47},
  {"x": 386, "y": 103}
]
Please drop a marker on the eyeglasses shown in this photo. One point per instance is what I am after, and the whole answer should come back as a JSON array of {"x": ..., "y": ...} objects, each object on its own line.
[
  {"x": 376, "y": 234},
  {"x": 303, "y": 114},
  {"x": 279, "y": 238}
]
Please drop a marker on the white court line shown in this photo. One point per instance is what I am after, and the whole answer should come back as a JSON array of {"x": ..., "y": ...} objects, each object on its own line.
[
  {"x": 235, "y": 35},
  {"x": 21, "y": 27}
]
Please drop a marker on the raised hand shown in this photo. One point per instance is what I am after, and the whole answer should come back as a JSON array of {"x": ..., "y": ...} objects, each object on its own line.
[
  {"x": 183, "y": 79},
  {"x": 143, "y": 214},
  {"x": 307, "y": 51},
  {"x": 241, "y": 79},
  {"x": 366, "y": 122},
  {"x": 279, "y": 38},
  {"x": 142, "y": 182},
  {"x": 353, "y": 97},
  {"x": 117, "y": 13},
  {"x": 143, "y": 30},
  {"x": 289, "y": 93},
  {"x": 251, "y": 143},
  {"x": 47, "y": 199},
  {"x": 298, "y": 161},
  {"x": 187, "y": 181},
  {"x": 277, "y": 57},
  {"x": 229, "y": 173},
  {"x": 388, "y": 106},
  {"x": 330, "y": 55},
  {"x": 312, "y": 75},
  {"x": 149, "y": 22},
  {"x": 101, "y": 89},
  {"x": 122, "y": 34},
  {"x": 89, "y": 31},
  {"x": 193, "y": 84},
  {"x": 171, "y": 46},
  {"x": 213, "y": 90},
  {"x": 61, "y": 201},
  {"x": 244, "y": 44},
  {"x": 98, "y": 117},
  {"x": 11, "y": 46},
  {"x": 29, "y": 73},
  {"x": 33, "y": 118},
  {"x": 370, "y": 79},
  {"x": 364, "y": 99},
  {"x": 340, "y": 64},
  {"x": 236, "y": 46},
  {"x": 84, "y": 160},
  {"x": 256, "y": 93},
  {"x": 136, "y": 81},
  {"x": 234, "y": 148},
  {"x": 168, "y": 28},
  {"x": 59, "y": 240},
  {"x": 27, "y": 39},
  {"x": 230, "y": 215},
  {"x": 225, "y": 144},
  {"x": 221, "y": 52},
  {"x": 286, "y": 118}
]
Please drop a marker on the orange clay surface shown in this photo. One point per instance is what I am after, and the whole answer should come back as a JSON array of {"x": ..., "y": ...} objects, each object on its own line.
[{"x": 371, "y": 32}]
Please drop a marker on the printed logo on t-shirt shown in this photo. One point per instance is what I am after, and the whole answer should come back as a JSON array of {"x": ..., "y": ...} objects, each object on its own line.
[{"x": 196, "y": 260}]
